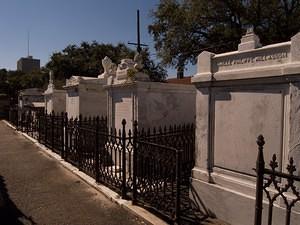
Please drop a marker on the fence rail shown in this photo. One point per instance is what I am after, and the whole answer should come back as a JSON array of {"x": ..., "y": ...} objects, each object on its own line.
[
  {"x": 275, "y": 185},
  {"x": 150, "y": 167}
]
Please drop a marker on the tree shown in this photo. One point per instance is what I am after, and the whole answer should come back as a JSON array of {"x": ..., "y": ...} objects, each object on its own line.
[
  {"x": 17, "y": 81},
  {"x": 155, "y": 71},
  {"x": 85, "y": 60},
  {"x": 3, "y": 81},
  {"x": 182, "y": 29}
]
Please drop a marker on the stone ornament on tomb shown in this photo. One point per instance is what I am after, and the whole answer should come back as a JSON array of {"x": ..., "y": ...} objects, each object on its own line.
[
  {"x": 74, "y": 80},
  {"x": 123, "y": 68},
  {"x": 127, "y": 71},
  {"x": 138, "y": 62},
  {"x": 109, "y": 68},
  {"x": 51, "y": 86}
]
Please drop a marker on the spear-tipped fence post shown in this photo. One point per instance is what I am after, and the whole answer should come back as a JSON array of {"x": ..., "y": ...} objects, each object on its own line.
[
  {"x": 260, "y": 167},
  {"x": 79, "y": 142},
  {"x": 52, "y": 130},
  {"x": 45, "y": 128},
  {"x": 39, "y": 116},
  {"x": 62, "y": 134},
  {"x": 178, "y": 179},
  {"x": 97, "y": 150},
  {"x": 66, "y": 144},
  {"x": 134, "y": 172},
  {"x": 27, "y": 122},
  {"x": 123, "y": 159},
  {"x": 18, "y": 116}
]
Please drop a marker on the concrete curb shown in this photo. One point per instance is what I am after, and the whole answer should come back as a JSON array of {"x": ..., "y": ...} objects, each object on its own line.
[{"x": 145, "y": 215}]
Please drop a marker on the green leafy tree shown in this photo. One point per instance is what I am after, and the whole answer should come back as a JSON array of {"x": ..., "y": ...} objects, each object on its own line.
[
  {"x": 155, "y": 71},
  {"x": 182, "y": 29},
  {"x": 17, "y": 81},
  {"x": 86, "y": 60},
  {"x": 3, "y": 81}
]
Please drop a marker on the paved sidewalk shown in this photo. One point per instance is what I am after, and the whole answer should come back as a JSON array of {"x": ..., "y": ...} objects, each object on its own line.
[{"x": 36, "y": 189}]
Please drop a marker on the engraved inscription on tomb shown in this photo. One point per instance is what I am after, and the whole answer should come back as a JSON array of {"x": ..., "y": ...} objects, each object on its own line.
[{"x": 250, "y": 60}]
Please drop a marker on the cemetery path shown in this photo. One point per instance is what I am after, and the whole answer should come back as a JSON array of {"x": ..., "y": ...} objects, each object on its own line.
[{"x": 36, "y": 189}]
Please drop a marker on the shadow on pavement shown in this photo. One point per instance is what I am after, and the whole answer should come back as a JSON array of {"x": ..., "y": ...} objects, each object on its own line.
[{"x": 9, "y": 213}]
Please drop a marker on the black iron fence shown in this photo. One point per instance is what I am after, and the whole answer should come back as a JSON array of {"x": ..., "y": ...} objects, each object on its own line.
[
  {"x": 157, "y": 178},
  {"x": 276, "y": 185},
  {"x": 150, "y": 167},
  {"x": 13, "y": 116},
  {"x": 180, "y": 137}
]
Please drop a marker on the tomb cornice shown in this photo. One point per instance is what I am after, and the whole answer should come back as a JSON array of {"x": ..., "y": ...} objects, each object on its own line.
[
  {"x": 159, "y": 86},
  {"x": 250, "y": 81},
  {"x": 250, "y": 73},
  {"x": 68, "y": 87},
  {"x": 250, "y": 62},
  {"x": 282, "y": 44},
  {"x": 121, "y": 85}
]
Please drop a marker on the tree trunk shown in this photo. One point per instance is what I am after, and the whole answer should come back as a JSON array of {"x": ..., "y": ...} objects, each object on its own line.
[{"x": 180, "y": 70}]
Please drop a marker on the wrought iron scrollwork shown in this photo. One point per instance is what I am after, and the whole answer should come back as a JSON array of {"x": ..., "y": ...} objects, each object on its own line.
[{"x": 276, "y": 185}]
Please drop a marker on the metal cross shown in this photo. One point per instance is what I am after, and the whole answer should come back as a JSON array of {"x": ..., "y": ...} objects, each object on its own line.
[{"x": 138, "y": 44}]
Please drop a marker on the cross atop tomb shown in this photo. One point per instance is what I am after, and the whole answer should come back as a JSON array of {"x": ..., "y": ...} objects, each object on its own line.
[{"x": 138, "y": 44}]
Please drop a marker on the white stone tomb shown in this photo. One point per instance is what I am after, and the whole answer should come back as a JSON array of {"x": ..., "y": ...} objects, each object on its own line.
[
  {"x": 132, "y": 96},
  {"x": 241, "y": 94},
  {"x": 55, "y": 100},
  {"x": 85, "y": 96}
]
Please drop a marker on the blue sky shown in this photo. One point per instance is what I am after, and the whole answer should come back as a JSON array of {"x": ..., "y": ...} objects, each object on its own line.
[{"x": 53, "y": 24}]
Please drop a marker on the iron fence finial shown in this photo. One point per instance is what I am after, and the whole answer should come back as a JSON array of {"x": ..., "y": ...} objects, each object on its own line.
[{"x": 260, "y": 140}]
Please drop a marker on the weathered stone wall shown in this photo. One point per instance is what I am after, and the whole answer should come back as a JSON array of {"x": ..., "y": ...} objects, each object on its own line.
[
  {"x": 165, "y": 104},
  {"x": 239, "y": 115},
  {"x": 72, "y": 102},
  {"x": 93, "y": 100},
  {"x": 151, "y": 104},
  {"x": 55, "y": 101},
  {"x": 240, "y": 95},
  {"x": 294, "y": 121}
]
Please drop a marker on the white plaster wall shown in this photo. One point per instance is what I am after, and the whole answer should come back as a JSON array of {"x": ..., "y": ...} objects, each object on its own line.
[
  {"x": 48, "y": 104},
  {"x": 202, "y": 128},
  {"x": 59, "y": 101},
  {"x": 72, "y": 103},
  {"x": 239, "y": 116},
  {"x": 121, "y": 107},
  {"x": 242, "y": 94},
  {"x": 234, "y": 207},
  {"x": 151, "y": 104},
  {"x": 165, "y": 104},
  {"x": 93, "y": 100},
  {"x": 294, "y": 121}
]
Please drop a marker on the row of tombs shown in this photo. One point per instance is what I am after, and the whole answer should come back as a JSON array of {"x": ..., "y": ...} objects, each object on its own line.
[
  {"x": 232, "y": 98},
  {"x": 118, "y": 96}
]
